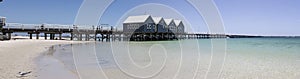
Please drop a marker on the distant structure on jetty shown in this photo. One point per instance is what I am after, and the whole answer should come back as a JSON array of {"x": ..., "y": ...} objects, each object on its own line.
[
  {"x": 146, "y": 27},
  {"x": 135, "y": 28}
]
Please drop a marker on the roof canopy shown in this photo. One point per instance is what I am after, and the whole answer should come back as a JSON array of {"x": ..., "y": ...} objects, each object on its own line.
[
  {"x": 157, "y": 19},
  {"x": 168, "y": 21},
  {"x": 177, "y": 22},
  {"x": 137, "y": 19},
  {"x": 2, "y": 17},
  {"x": 143, "y": 18}
]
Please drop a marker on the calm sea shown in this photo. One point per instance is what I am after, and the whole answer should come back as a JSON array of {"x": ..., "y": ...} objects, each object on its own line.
[{"x": 242, "y": 58}]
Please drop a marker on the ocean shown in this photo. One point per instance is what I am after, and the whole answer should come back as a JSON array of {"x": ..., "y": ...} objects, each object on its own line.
[{"x": 236, "y": 58}]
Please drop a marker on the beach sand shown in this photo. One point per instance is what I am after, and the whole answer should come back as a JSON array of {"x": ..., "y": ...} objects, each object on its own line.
[{"x": 21, "y": 55}]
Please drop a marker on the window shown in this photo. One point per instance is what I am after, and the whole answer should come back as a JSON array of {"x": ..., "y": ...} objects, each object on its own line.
[
  {"x": 133, "y": 26},
  {"x": 149, "y": 26}
]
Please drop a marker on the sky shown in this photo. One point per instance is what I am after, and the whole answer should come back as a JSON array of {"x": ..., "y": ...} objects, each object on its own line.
[{"x": 255, "y": 17}]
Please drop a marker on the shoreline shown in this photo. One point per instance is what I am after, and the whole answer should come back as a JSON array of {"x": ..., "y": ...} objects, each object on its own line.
[
  {"x": 50, "y": 66},
  {"x": 21, "y": 56}
]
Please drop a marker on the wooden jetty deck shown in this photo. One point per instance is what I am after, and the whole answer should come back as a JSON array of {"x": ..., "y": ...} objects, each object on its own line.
[{"x": 95, "y": 33}]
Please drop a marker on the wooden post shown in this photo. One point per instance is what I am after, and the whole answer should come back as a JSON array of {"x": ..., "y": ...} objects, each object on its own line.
[
  {"x": 80, "y": 37},
  {"x": 30, "y": 35},
  {"x": 102, "y": 37},
  {"x": 37, "y": 35},
  {"x": 45, "y": 35},
  {"x": 112, "y": 37},
  {"x": 87, "y": 37},
  {"x": 108, "y": 37},
  {"x": 151, "y": 36},
  {"x": 9, "y": 35},
  {"x": 95, "y": 38},
  {"x": 71, "y": 36},
  {"x": 51, "y": 36},
  {"x": 60, "y": 36}
]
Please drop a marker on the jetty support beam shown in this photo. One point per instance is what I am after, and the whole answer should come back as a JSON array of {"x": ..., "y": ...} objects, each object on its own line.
[
  {"x": 60, "y": 34},
  {"x": 45, "y": 35},
  {"x": 30, "y": 35},
  {"x": 37, "y": 35}
]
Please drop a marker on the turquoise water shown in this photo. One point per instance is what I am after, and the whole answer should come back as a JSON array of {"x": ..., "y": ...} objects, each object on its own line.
[
  {"x": 250, "y": 58},
  {"x": 279, "y": 49},
  {"x": 263, "y": 58}
]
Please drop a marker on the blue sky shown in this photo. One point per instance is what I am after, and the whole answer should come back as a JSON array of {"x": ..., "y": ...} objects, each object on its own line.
[{"x": 258, "y": 17}]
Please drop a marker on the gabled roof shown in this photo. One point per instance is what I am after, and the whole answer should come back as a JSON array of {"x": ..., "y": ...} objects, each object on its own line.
[
  {"x": 157, "y": 19},
  {"x": 136, "y": 19},
  {"x": 168, "y": 21},
  {"x": 177, "y": 22}
]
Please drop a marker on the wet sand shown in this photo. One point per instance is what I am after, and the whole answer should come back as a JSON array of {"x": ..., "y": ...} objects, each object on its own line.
[{"x": 21, "y": 55}]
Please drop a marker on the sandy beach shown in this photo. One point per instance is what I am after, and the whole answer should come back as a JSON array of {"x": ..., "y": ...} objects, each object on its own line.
[{"x": 20, "y": 55}]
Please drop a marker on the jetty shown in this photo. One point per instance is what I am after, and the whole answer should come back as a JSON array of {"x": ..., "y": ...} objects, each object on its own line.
[
  {"x": 98, "y": 33},
  {"x": 135, "y": 28}
]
